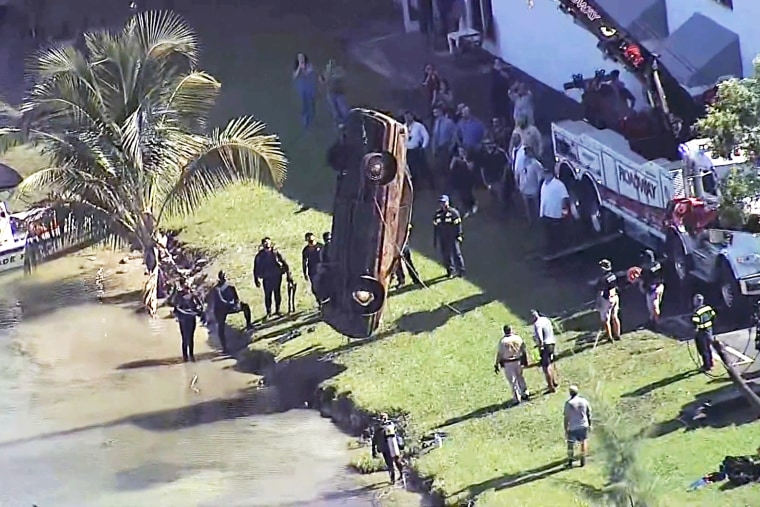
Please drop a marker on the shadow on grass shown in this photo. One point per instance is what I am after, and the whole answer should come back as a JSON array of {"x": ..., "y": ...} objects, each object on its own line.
[
  {"x": 719, "y": 408},
  {"x": 477, "y": 414},
  {"x": 641, "y": 391},
  {"x": 513, "y": 480},
  {"x": 429, "y": 320}
]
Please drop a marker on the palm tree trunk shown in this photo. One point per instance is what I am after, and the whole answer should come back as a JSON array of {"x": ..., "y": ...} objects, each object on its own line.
[
  {"x": 741, "y": 385},
  {"x": 150, "y": 292}
]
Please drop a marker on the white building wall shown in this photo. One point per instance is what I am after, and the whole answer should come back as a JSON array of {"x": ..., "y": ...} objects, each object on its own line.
[
  {"x": 743, "y": 20},
  {"x": 547, "y": 44}
]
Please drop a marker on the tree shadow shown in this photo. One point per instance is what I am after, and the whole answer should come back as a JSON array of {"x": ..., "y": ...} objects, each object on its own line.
[
  {"x": 166, "y": 361},
  {"x": 429, "y": 320},
  {"x": 719, "y": 408},
  {"x": 513, "y": 480},
  {"x": 641, "y": 391}
]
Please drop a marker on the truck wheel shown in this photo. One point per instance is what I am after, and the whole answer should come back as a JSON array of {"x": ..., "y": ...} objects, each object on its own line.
[
  {"x": 380, "y": 168},
  {"x": 679, "y": 261},
  {"x": 735, "y": 303},
  {"x": 601, "y": 220},
  {"x": 367, "y": 296}
]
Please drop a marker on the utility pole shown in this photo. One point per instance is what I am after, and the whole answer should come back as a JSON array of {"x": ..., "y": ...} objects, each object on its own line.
[{"x": 752, "y": 398}]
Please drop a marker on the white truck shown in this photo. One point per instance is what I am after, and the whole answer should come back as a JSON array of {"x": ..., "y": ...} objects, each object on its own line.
[{"x": 617, "y": 191}]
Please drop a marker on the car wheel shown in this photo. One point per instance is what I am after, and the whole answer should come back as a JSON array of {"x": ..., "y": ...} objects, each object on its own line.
[
  {"x": 367, "y": 296},
  {"x": 380, "y": 168},
  {"x": 679, "y": 261}
]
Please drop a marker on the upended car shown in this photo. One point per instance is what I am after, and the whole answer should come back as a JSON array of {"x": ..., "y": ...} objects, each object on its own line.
[{"x": 371, "y": 216}]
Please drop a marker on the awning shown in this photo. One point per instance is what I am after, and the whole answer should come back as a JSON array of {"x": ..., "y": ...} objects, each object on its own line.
[
  {"x": 699, "y": 53},
  {"x": 9, "y": 179},
  {"x": 642, "y": 19}
]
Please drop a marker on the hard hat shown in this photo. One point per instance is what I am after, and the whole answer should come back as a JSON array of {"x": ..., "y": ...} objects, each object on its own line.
[{"x": 605, "y": 264}]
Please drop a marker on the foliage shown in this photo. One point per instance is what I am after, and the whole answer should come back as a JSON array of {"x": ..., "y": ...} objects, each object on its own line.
[
  {"x": 124, "y": 123},
  {"x": 737, "y": 189},
  {"x": 733, "y": 121},
  {"x": 628, "y": 484}
]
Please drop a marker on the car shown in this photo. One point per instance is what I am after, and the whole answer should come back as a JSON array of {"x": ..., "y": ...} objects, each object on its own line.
[{"x": 370, "y": 227}]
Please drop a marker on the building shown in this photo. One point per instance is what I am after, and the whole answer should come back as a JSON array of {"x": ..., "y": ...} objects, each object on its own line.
[{"x": 697, "y": 41}]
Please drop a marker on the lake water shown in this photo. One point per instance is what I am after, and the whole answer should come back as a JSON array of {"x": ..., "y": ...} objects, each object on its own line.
[{"x": 95, "y": 410}]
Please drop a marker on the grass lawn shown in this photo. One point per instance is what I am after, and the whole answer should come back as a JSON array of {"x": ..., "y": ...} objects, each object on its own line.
[{"x": 432, "y": 362}]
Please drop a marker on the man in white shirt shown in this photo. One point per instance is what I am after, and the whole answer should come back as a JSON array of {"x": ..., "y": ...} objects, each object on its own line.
[
  {"x": 528, "y": 177},
  {"x": 554, "y": 209},
  {"x": 543, "y": 333},
  {"x": 416, "y": 144}
]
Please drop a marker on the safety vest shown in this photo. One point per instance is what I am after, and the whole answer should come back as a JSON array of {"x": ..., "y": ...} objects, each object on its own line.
[
  {"x": 703, "y": 317},
  {"x": 389, "y": 430}
]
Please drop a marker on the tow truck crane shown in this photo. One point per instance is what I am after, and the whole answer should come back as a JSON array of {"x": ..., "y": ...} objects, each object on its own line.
[{"x": 660, "y": 189}]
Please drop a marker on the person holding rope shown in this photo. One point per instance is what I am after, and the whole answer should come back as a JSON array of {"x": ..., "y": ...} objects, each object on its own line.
[
  {"x": 703, "y": 318},
  {"x": 386, "y": 441}
]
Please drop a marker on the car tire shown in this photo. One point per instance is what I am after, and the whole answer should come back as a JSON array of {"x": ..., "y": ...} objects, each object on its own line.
[
  {"x": 367, "y": 296},
  {"x": 380, "y": 168}
]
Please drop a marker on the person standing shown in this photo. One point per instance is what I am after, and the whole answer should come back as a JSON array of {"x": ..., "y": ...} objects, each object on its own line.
[
  {"x": 703, "y": 318},
  {"x": 652, "y": 286},
  {"x": 447, "y": 235},
  {"x": 501, "y": 105},
  {"x": 443, "y": 97},
  {"x": 522, "y": 98},
  {"x": 442, "y": 142},
  {"x": 386, "y": 441},
  {"x": 470, "y": 130},
  {"x": 462, "y": 180},
  {"x": 334, "y": 78},
  {"x": 528, "y": 177},
  {"x": 577, "y": 423},
  {"x": 430, "y": 81},
  {"x": 225, "y": 302},
  {"x": 187, "y": 308},
  {"x": 311, "y": 256},
  {"x": 268, "y": 268},
  {"x": 494, "y": 165},
  {"x": 608, "y": 300},
  {"x": 510, "y": 356},
  {"x": 416, "y": 145},
  {"x": 405, "y": 261},
  {"x": 554, "y": 208},
  {"x": 546, "y": 342},
  {"x": 306, "y": 86}
]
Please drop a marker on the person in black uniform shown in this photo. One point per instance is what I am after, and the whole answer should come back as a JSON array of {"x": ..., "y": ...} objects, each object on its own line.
[
  {"x": 652, "y": 285},
  {"x": 226, "y": 302},
  {"x": 386, "y": 441},
  {"x": 187, "y": 307},
  {"x": 608, "y": 300},
  {"x": 703, "y": 318},
  {"x": 447, "y": 235},
  {"x": 327, "y": 241},
  {"x": 406, "y": 261},
  {"x": 311, "y": 257},
  {"x": 268, "y": 267}
]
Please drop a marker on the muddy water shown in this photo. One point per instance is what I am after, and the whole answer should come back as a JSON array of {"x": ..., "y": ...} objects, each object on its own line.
[{"x": 95, "y": 410}]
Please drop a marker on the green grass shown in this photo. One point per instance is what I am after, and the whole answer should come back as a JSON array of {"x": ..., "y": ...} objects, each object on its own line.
[{"x": 431, "y": 362}]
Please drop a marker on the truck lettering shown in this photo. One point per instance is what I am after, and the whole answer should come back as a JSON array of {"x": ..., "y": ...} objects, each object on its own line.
[
  {"x": 642, "y": 185},
  {"x": 586, "y": 9}
]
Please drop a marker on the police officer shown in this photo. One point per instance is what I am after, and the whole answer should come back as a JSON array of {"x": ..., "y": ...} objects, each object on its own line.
[
  {"x": 311, "y": 257},
  {"x": 187, "y": 307},
  {"x": 268, "y": 267},
  {"x": 386, "y": 442},
  {"x": 447, "y": 235},
  {"x": 608, "y": 300},
  {"x": 406, "y": 261},
  {"x": 326, "y": 243},
  {"x": 703, "y": 318},
  {"x": 225, "y": 301},
  {"x": 652, "y": 285}
]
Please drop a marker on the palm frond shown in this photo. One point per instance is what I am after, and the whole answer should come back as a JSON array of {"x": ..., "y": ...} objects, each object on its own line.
[
  {"x": 163, "y": 34},
  {"x": 233, "y": 154},
  {"x": 191, "y": 99},
  {"x": 10, "y": 137}
]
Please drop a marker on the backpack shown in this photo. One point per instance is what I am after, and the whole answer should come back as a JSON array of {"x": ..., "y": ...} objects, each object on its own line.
[{"x": 740, "y": 470}]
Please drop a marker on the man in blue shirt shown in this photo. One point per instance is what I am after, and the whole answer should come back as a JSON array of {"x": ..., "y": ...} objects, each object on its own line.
[
  {"x": 470, "y": 130},
  {"x": 442, "y": 142}
]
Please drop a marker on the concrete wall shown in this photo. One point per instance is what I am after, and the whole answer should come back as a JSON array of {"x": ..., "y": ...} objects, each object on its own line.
[
  {"x": 743, "y": 20},
  {"x": 547, "y": 44}
]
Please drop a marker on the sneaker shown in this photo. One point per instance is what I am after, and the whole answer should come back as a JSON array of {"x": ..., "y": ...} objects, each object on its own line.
[
  {"x": 569, "y": 464},
  {"x": 583, "y": 462}
]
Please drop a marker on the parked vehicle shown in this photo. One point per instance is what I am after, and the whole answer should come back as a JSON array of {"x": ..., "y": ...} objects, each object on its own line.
[
  {"x": 371, "y": 215},
  {"x": 669, "y": 206}
]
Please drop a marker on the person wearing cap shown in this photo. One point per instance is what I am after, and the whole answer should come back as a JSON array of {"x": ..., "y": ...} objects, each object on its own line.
[
  {"x": 554, "y": 208},
  {"x": 187, "y": 308},
  {"x": 546, "y": 342},
  {"x": 405, "y": 261},
  {"x": 225, "y": 301},
  {"x": 510, "y": 356},
  {"x": 386, "y": 441},
  {"x": 311, "y": 256},
  {"x": 703, "y": 318},
  {"x": 447, "y": 235},
  {"x": 608, "y": 300},
  {"x": 651, "y": 285},
  {"x": 577, "y": 423},
  {"x": 268, "y": 268}
]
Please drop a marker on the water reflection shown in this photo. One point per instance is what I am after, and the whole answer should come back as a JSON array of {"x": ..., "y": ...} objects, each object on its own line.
[{"x": 96, "y": 410}]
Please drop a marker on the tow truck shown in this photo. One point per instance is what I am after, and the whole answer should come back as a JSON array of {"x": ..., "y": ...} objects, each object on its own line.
[{"x": 656, "y": 185}]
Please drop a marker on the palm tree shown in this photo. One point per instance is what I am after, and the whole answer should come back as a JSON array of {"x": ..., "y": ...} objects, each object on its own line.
[{"x": 124, "y": 122}]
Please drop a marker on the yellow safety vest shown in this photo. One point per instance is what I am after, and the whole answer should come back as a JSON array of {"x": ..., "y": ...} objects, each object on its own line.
[
  {"x": 703, "y": 317},
  {"x": 389, "y": 429}
]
